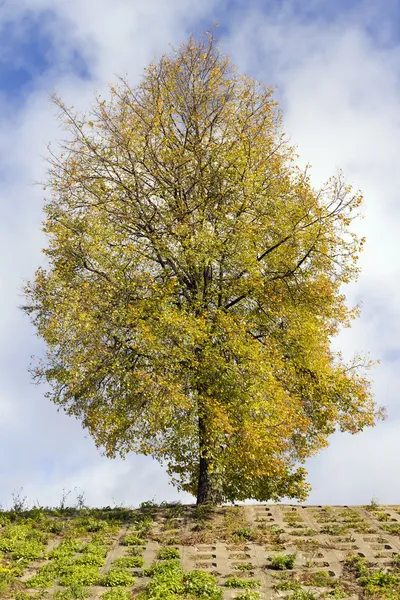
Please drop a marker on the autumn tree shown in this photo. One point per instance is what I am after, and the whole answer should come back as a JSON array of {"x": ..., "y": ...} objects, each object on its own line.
[{"x": 193, "y": 283}]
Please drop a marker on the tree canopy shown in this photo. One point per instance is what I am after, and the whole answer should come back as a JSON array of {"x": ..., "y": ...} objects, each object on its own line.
[{"x": 193, "y": 283}]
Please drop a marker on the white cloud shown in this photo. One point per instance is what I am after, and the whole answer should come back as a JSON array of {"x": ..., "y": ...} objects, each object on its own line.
[{"x": 340, "y": 95}]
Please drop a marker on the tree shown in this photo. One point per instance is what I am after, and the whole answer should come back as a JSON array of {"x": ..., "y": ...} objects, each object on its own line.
[{"x": 193, "y": 283}]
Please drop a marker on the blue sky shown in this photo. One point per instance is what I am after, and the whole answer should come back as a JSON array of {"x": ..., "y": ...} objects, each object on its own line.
[{"x": 337, "y": 68}]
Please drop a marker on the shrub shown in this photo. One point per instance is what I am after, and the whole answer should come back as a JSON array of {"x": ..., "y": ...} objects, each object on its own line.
[{"x": 248, "y": 595}]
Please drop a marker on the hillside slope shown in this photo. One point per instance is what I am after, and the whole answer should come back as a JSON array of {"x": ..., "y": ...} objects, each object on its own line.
[{"x": 170, "y": 552}]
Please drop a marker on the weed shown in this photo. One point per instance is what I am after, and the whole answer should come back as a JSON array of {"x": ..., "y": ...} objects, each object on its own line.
[
  {"x": 117, "y": 594},
  {"x": 40, "y": 595},
  {"x": 244, "y": 566},
  {"x": 132, "y": 540},
  {"x": 282, "y": 561},
  {"x": 382, "y": 516},
  {"x": 238, "y": 582},
  {"x": 302, "y": 595},
  {"x": 76, "y": 574},
  {"x": 243, "y": 534},
  {"x": 19, "y": 504},
  {"x": 287, "y": 583},
  {"x": 373, "y": 505},
  {"x": 63, "y": 499},
  {"x": 135, "y": 551},
  {"x": 248, "y": 595},
  {"x": 393, "y": 528},
  {"x": 44, "y": 578},
  {"x": 168, "y": 553},
  {"x": 201, "y": 585},
  {"x": 319, "y": 579},
  {"x": 73, "y": 592},
  {"x": 303, "y": 532},
  {"x": 130, "y": 562},
  {"x": 333, "y": 529},
  {"x": 337, "y": 592},
  {"x": 118, "y": 577}
]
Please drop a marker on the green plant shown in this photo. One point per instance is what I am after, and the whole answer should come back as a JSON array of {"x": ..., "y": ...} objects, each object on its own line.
[
  {"x": 168, "y": 553},
  {"x": 248, "y": 595},
  {"x": 373, "y": 505},
  {"x": 130, "y": 562},
  {"x": 333, "y": 529},
  {"x": 302, "y": 595},
  {"x": 166, "y": 582},
  {"x": 238, "y": 582},
  {"x": 44, "y": 578},
  {"x": 393, "y": 528},
  {"x": 135, "y": 550},
  {"x": 120, "y": 593},
  {"x": 118, "y": 577},
  {"x": 243, "y": 566},
  {"x": 287, "y": 583},
  {"x": 76, "y": 574},
  {"x": 201, "y": 585},
  {"x": 73, "y": 592},
  {"x": 282, "y": 561},
  {"x": 132, "y": 540},
  {"x": 243, "y": 533},
  {"x": 337, "y": 592},
  {"x": 40, "y": 595},
  {"x": 319, "y": 579}
]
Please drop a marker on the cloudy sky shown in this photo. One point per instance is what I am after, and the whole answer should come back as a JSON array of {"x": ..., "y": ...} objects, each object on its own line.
[{"x": 337, "y": 68}]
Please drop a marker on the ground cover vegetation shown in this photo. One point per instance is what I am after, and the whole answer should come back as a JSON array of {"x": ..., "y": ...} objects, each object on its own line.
[
  {"x": 120, "y": 554},
  {"x": 194, "y": 283}
]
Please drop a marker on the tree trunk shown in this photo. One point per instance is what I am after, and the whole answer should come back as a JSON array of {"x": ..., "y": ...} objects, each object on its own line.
[{"x": 209, "y": 489}]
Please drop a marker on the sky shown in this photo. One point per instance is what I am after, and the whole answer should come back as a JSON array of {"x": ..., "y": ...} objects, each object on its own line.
[{"x": 336, "y": 66}]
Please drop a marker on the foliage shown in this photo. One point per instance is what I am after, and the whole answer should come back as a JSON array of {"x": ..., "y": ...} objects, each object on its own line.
[
  {"x": 117, "y": 594},
  {"x": 244, "y": 533},
  {"x": 238, "y": 582},
  {"x": 248, "y": 595},
  {"x": 77, "y": 574},
  {"x": 320, "y": 579},
  {"x": 376, "y": 582},
  {"x": 302, "y": 595},
  {"x": 245, "y": 566},
  {"x": 132, "y": 540},
  {"x": 282, "y": 561},
  {"x": 73, "y": 592},
  {"x": 130, "y": 562},
  {"x": 168, "y": 553},
  {"x": 166, "y": 580},
  {"x": 201, "y": 585},
  {"x": 118, "y": 577},
  {"x": 194, "y": 282}
]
